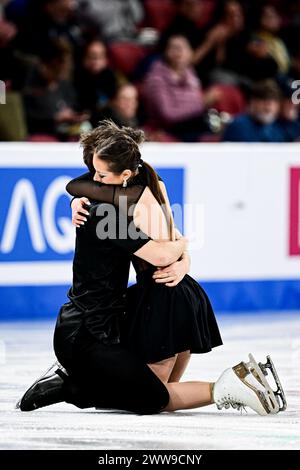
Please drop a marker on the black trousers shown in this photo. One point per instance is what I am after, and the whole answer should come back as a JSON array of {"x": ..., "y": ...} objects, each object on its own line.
[{"x": 107, "y": 376}]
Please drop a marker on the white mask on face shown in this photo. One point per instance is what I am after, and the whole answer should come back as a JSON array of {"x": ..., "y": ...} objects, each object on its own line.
[{"x": 264, "y": 118}]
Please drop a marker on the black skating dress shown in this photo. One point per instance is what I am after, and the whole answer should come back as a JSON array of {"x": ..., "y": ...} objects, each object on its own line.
[{"x": 160, "y": 321}]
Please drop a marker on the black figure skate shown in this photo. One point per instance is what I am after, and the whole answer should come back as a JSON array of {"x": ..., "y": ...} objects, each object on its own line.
[{"x": 46, "y": 390}]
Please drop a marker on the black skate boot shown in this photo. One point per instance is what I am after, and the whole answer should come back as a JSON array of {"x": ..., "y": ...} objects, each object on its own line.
[{"x": 47, "y": 390}]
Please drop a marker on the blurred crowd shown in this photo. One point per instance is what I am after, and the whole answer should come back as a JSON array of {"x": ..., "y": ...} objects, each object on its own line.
[{"x": 183, "y": 70}]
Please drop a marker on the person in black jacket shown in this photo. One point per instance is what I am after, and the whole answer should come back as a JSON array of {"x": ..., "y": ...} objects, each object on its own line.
[{"x": 94, "y": 80}]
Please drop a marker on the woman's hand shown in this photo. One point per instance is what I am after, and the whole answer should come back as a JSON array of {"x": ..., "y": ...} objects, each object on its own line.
[
  {"x": 79, "y": 212},
  {"x": 219, "y": 34},
  {"x": 173, "y": 274}
]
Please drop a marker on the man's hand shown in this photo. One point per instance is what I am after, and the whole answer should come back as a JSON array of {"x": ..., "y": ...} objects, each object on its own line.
[
  {"x": 173, "y": 274},
  {"x": 79, "y": 212}
]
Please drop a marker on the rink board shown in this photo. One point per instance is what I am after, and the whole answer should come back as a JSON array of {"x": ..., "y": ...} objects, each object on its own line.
[{"x": 238, "y": 204}]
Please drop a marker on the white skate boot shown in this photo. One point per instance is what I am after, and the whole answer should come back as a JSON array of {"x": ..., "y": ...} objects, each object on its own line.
[{"x": 245, "y": 385}]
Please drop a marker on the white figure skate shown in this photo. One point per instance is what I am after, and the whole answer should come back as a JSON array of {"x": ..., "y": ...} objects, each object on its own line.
[{"x": 245, "y": 385}]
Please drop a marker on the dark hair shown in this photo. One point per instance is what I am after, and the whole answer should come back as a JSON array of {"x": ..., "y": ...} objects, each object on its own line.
[
  {"x": 220, "y": 10},
  {"x": 256, "y": 11},
  {"x": 55, "y": 51},
  {"x": 165, "y": 41},
  {"x": 119, "y": 147},
  {"x": 266, "y": 90}
]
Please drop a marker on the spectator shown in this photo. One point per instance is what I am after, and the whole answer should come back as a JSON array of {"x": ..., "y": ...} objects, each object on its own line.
[
  {"x": 294, "y": 71},
  {"x": 291, "y": 30},
  {"x": 257, "y": 63},
  {"x": 224, "y": 45},
  {"x": 268, "y": 31},
  {"x": 185, "y": 23},
  {"x": 52, "y": 20},
  {"x": 7, "y": 29},
  {"x": 7, "y": 33},
  {"x": 259, "y": 124},
  {"x": 122, "y": 108},
  {"x": 95, "y": 81},
  {"x": 172, "y": 92},
  {"x": 119, "y": 19},
  {"x": 289, "y": 113},
  {"x": 15, "y": 9},
  {"x": 187, "y": 14},
  {"x": 49, "y": 96}
]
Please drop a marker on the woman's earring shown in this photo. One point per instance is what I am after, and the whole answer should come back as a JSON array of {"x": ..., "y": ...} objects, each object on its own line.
[{"x": 124, "y": 183}]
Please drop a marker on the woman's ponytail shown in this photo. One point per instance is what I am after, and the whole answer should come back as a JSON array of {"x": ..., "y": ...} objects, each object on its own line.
[{"x": 152, "y": 181}]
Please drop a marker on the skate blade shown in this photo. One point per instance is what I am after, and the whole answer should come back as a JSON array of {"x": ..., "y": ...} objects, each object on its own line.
[
  {"x": 279, "y": 393},
  {"x": 18, "y": 405},
  {"x": 259, "y": 371}
]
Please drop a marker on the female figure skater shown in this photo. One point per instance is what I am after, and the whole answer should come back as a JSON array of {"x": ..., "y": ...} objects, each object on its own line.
[
  {"x": 101, "y": 372},
  {"x": 169, "y": 316}
]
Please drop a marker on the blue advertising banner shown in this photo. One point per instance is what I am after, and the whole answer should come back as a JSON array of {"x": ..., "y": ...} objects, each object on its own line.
[{"x": 241, "y": 216}]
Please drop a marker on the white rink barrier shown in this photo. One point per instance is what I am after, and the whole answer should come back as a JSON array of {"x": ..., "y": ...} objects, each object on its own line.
[{"x": 237, "y": 203}]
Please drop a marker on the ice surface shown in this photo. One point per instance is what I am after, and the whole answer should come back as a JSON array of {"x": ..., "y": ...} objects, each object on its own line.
[{"x": 26, "y": 350}]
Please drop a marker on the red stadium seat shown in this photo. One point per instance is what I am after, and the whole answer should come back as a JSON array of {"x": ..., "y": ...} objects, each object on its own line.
[
  {"x": 41, "y": 138},
  {"x": 154, "y": 134},
  {"x": 207, "y": 10},
  {"x": 159, "y": 13},
  {"x": 210, "y": 138},
  {"x": 125, "y": 56},
  {"x": 232, "y": 100}
]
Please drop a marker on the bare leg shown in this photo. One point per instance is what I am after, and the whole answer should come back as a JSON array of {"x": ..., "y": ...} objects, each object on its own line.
[
  {"x": 163, "y": 368},
  {"x": 181, "y": 363},
  {"x": 187, "y": 395}
]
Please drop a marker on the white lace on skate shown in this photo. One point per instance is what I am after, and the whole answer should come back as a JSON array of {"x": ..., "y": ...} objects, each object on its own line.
[{"x": 228, "y": 402}]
